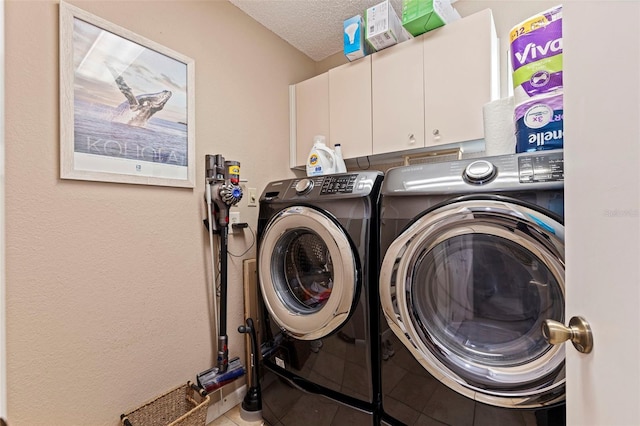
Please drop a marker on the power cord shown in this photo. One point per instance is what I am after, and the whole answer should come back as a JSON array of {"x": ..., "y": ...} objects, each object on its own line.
[
  {"x": 253, "y": 234},
  {"x": 363, "y": 168}
]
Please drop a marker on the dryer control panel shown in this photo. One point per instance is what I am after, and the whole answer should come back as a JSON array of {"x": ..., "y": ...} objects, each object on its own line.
[
  {"x": 540, "y": 170},
  {"x": 542, "y": 167}
]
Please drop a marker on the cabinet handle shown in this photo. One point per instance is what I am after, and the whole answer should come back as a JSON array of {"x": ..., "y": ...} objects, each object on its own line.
[
  {"x": 436, "y": 132},
  {"x": 412, "y": 139}
]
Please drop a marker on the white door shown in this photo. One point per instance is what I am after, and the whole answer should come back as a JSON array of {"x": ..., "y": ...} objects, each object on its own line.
[
  {"x": 3, "y": 354},
  {"x": 602, "y": 216}
]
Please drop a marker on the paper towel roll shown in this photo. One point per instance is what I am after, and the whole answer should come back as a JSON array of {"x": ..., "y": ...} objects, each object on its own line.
[{"x": 499, "y": 128}]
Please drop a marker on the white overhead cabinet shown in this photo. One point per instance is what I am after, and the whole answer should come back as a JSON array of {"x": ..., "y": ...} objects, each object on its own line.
[
  {"x": 311, "y": 116},
  {"x": 429, "y": 91},
  {"x": 418, "y": 94},
  {"x": 350, "y": 107},
  {"x": 397, "y": 86},
  {"x": 336, "y": 104},
  {"x": 461, "y": 74}
]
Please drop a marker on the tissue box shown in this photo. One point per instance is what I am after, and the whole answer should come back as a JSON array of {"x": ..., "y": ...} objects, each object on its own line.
[
  {"x": 420, "y": 16},
  {"x": 383, "y": 27},
  {"x": 354, "y": 46}
]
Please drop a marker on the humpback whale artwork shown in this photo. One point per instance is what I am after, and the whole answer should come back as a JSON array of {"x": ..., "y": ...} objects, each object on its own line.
[
  {"x": 137, "y": 110},
  {"x": 126, "y": 105}
]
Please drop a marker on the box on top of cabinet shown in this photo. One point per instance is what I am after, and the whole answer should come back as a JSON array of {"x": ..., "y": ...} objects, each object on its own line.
[
  {"x": 420, "y": 16},
  {"x": 384, "y": 27},
  {"x": 353, "y": 36}
]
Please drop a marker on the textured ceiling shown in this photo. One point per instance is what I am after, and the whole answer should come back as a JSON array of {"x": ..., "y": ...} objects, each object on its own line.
[{"x": 314, "y": 27}]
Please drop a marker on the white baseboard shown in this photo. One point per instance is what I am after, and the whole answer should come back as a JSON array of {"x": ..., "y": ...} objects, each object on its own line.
[{"x": 224, "y": 399}]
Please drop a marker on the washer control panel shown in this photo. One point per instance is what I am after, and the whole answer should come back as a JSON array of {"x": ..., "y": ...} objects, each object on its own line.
[{"x": 342, "y": 184}]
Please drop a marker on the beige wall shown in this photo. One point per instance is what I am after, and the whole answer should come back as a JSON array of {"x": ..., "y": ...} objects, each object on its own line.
[
  {"x": 329, "y": 62},
  {"x": 108, "y": 284}
]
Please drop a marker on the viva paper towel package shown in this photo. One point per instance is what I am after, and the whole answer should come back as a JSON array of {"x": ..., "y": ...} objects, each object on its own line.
[
  {"x": 536, "y": 55},
  {"x": 539, "y": 123}
]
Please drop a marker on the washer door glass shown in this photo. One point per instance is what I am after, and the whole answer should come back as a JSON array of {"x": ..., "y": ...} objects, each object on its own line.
[
  {"x": 307, "y": 272},
  {"x": 467, "y": 288}
]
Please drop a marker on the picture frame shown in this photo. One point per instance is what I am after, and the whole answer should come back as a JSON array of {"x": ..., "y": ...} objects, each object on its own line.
[{"x": 127, "y": 107}]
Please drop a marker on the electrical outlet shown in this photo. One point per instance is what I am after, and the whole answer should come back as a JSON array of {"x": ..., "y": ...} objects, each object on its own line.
[
  {"x": 234, "y": 217},
  {"x": 253, "y": 197}
]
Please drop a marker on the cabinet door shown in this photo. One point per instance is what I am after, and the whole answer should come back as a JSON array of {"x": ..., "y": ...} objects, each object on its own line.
[
  {"x": 312, "y": 114},
  {"x": 460, "y": 66},
  {"x": 350, "y": 107},
  {"x": 398, "y": 97}
]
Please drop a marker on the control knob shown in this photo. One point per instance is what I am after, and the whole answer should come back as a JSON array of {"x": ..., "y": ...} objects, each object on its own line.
[
  {"x": 479, "y": 172},
  {"x": 303, "y": 186}
]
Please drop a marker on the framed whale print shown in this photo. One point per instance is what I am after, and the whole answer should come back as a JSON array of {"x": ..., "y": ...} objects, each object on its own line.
[{"x": 126, "y": 105}]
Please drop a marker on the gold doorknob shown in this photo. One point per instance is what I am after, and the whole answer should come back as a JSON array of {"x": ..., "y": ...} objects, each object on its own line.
[{"x": 579, "y": 332}]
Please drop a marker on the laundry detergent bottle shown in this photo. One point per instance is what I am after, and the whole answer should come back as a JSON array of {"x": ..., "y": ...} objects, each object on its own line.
[
  {"x": 340, "y": 166},
  {"x": 322, "y": 159}
]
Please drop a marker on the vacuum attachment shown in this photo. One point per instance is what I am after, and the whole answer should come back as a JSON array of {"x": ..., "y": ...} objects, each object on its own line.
[{"x": 213, "y": 378}]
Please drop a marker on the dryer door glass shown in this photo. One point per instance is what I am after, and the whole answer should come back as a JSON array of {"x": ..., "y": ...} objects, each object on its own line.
[
  {"x": 467, "y": 288},
  {"x": 484, "y": 298},
  {"x": 307, "y": 272}
]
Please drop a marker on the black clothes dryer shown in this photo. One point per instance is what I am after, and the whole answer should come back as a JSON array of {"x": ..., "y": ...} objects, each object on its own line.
[{"x": 473, "y": 263}]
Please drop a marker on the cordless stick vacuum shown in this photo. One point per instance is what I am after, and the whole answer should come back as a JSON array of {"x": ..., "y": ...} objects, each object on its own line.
[{"x": 223, "y": 191}]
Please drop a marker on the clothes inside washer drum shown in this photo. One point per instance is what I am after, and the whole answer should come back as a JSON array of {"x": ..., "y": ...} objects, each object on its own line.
[{"x": 309, "y": 270}]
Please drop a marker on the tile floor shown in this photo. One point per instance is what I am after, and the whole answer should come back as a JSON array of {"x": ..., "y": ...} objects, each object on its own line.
[{"x": 232, "y": 418}]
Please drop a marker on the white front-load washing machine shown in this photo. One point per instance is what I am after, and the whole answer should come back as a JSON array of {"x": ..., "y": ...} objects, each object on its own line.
[
  {"x": 318, "y": 241},
  {"x": 473, "y": 263}
]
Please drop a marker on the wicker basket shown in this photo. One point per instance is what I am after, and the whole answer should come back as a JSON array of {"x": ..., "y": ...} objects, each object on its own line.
[{"x": 183, "y": 406}]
